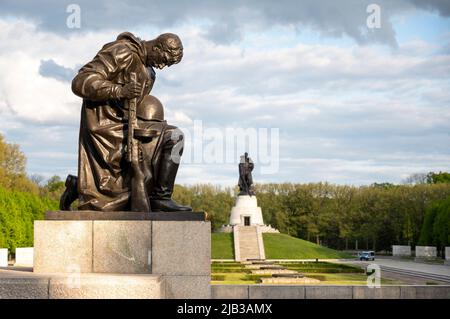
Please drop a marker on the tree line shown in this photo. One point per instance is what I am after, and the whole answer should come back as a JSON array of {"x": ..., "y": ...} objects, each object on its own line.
[
  {"x": 337, "y": 216},
  {"x": 18, "y": 210},
  {"x": 436, "y": 226}
]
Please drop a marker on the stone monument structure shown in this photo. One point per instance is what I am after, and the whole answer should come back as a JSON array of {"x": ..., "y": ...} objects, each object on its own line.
[
  {"x": 246, "y": 211},
  {"x": 24, "y": 256},
  {"x": 127, "y": 238},
  {"x": 246, "y": 220},
  {"x": 3, "y": 257},
  {"x": 401, "y": 251},
  {"x": 425, "y": 253}
]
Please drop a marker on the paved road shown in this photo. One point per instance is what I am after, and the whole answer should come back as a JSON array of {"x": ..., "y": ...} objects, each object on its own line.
[
  {"x": 409, "y": 265},
  {"x": 408, "y": 271},
  {"x": 16, "y": 272}
]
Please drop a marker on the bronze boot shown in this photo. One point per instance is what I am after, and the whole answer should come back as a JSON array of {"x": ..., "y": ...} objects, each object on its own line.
[
  {"x": 161, "y": 200},
  {"x": 70, "y": 193}
]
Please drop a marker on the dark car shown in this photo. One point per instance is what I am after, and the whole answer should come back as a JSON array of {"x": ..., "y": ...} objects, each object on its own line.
[{"x": 367, "y": 255}]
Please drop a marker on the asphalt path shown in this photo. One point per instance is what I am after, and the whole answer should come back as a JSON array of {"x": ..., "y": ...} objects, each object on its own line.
[{"x": 408, "y": 271}]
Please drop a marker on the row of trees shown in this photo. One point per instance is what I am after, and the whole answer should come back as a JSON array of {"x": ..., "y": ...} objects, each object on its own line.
[
  {"x": 342, "y": 217},
  {"x": 436, "y": 225},
  {"x": 428, "y": 178},
  {"x": 18, "y": 210}
]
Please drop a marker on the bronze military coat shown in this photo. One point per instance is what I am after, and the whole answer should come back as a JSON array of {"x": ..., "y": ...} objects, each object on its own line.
[{"x": 103, "y": 173}]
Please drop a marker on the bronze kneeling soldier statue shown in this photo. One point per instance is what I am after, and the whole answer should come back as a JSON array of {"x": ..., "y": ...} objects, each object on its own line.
[{"x": 128, "y": 154}]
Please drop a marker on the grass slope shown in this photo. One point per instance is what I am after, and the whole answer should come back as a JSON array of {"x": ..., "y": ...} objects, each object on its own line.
[
  {"x": 222, "y": 246},
  {"x": 277, "y": 246},
  {"x": 282, "y": 246}
]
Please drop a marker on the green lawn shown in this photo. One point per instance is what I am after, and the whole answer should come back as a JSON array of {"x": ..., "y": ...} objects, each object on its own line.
[
  {"x": 321, "y": 267},
  {"x": 235, "y": 273},
  {"x": 282, "y": 246},
  {"x": 326, "y": 279},
  {"x": 222, "y": 246},
  {"x": 277, "y": 246}
]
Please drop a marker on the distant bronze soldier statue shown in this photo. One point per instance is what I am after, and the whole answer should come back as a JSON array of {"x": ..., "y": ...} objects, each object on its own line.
[
  {"x": 128, "y": 154},
  {"x": 245, "y": 175}
]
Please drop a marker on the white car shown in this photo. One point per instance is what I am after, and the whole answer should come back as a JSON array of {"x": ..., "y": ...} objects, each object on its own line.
[{"x": 367, "y": 255}]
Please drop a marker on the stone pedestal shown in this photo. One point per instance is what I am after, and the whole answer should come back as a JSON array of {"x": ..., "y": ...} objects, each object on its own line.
[
  {"x": 247, "y": 213},
  {"x": 401, "y": 251},
  {"x": 174, "y": 247},
  {"x": 81, "y": 286},
  {"x": 246, "y": 206},
  {"x": 3, "y": 257},
  {"x": 24, "y": 257},
  {"x": 424, "y": 253},
  {"x": 106, "y": 286}
]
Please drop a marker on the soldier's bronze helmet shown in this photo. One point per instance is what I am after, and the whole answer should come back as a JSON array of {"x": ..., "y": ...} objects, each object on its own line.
[{"x": 150, "y": 108}]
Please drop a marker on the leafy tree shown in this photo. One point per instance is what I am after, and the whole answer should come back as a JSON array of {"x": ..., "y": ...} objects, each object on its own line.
[
  {"x": 12, "y": 160},
  {"x": 12, "y": 168},
  {"x": 376, "y": 216},
  {"x": 436, "y": 178},
  {"x": 18, "y": 210},
  {"x": 436, "y": 226}
]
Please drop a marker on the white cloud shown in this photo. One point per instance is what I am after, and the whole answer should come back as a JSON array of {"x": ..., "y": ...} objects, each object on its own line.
[
  {"x": 346, "y": 113},
  {"x": 227, "y": 21}
]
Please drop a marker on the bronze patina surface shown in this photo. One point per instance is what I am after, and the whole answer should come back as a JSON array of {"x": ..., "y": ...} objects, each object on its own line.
[
  {"x": 245, "y": 175},
  {"x": 128, "y": 154}
]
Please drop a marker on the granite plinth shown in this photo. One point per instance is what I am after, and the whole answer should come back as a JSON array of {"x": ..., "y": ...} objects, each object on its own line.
[
  {"x": 80, "y": 286},
  {"x": 176, "y": 247},
  {"x": 106, "y": 286},
  {"x": 117, "y": 248},
  {"x": 63, "y": 246},
  {"x": 181, "y": 248}
]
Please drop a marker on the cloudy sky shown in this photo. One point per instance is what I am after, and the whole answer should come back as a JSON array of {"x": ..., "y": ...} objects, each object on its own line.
[{"x": 328, "y": 98}]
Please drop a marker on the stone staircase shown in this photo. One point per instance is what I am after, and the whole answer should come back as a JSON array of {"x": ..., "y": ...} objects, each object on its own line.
[{"x": 248, "y": 243}]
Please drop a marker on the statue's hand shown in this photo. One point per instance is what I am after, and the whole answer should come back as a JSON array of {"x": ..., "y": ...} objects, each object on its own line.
[{"x": 130, "y": 90}]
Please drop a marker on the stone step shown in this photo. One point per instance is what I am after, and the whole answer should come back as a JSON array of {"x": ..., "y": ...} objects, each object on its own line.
[
  {"x": 81, "y": 286},
  {"x": 250, "y": 251},
  {"x": 248, "y": 242},
  {"x": 263, "y": 266},
  {"x": 273, "y": 271},
  {"x": 298, "y": 275},
  {"x": 271, "y": 267},
  {"x": 304, "y": 280}
]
